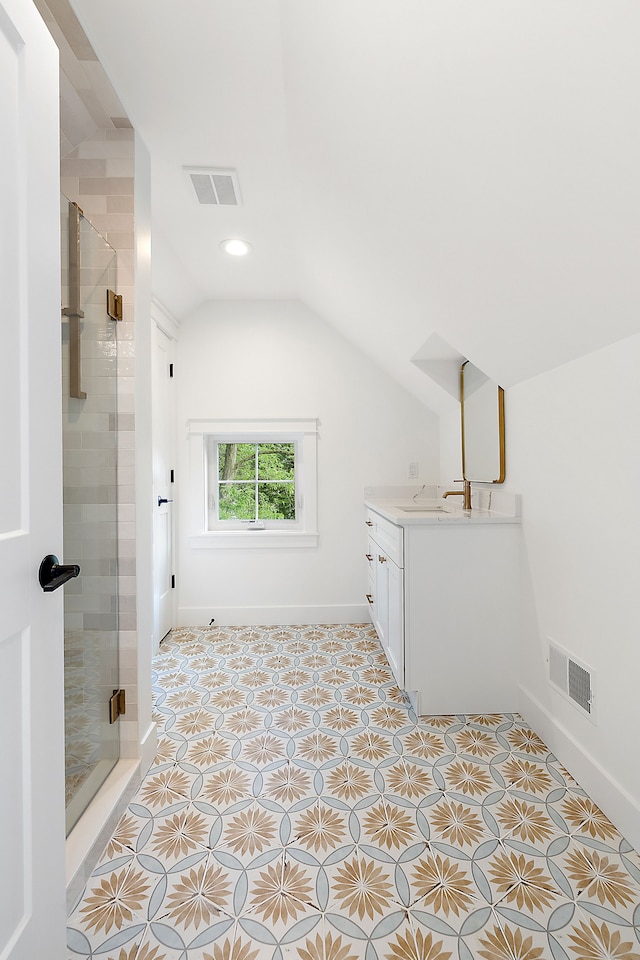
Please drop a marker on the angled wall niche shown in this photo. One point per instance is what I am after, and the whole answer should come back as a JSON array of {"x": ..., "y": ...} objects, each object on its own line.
[{"x": 441, "y": 362}]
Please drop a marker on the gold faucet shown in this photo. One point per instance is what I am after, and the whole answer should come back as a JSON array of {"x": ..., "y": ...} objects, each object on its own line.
[{"x": 465, "y": 492}]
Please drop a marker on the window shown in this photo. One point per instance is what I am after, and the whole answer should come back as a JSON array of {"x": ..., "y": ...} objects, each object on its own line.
[{"x": 253, "y": 483}]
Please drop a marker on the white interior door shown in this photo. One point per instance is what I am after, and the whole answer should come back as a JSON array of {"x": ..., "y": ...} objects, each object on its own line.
[
  {"x": 32, "y": 877},
  {"x": 163, "y": 487}
]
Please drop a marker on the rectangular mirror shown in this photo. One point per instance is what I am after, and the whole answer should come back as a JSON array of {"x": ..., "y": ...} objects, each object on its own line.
[{"x": 482, "y": 423}]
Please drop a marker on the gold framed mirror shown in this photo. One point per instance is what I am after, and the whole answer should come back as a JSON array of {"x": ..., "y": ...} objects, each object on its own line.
[{"x": 482, "y": 426}]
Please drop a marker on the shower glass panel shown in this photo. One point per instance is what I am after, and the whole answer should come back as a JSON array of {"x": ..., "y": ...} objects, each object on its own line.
[{"x": 89, "y": 405}]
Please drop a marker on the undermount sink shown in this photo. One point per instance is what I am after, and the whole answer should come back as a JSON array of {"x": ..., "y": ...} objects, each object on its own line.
[{"x": 424, "y": 508}]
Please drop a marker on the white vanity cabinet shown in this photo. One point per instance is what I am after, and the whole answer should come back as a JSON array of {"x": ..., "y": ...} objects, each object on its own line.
[
  {"x": 445, "y": 606},
  {"x": 385, "y": 561}
]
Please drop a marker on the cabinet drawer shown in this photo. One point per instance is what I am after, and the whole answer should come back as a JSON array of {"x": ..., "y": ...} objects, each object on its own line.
[{"x": 386, "y": 536}]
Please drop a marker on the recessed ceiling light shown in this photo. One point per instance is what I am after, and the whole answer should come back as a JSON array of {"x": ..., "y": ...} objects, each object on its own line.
[{"x": 236, "y": 248}]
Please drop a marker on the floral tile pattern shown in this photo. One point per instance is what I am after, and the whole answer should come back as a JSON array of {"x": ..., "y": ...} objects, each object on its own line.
[{"x": 297, "y": 809}]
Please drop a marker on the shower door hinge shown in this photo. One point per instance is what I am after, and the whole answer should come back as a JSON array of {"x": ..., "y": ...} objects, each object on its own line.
[
  {"x": 114, "y": 305},
  {"x": 117, "y": 705}
]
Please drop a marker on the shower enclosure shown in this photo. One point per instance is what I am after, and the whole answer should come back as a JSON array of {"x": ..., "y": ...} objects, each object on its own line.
[{"x": 89, "y": 405}]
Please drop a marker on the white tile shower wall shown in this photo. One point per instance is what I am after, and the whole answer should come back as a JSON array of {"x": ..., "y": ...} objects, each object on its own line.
[{"x": 99, "y": 176}]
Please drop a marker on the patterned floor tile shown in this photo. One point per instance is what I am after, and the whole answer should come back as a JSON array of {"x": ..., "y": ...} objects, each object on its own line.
[
  {"x": 598, "y": 936},
  {"x": 297, "y": 809}
]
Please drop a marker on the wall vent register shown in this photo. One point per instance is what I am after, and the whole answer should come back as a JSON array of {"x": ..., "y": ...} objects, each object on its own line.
[
  {"x": 574, "y": 680},
  {"x": 215, "y": 186}
]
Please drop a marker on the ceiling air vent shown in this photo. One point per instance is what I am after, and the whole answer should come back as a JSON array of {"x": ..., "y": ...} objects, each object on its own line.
[
  {"x": 574, "y": 680},
  {"x": 215, "y": 186}
]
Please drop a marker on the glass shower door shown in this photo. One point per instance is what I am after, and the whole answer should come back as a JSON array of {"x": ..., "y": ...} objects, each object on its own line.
[{"x": 89, "y": 402}]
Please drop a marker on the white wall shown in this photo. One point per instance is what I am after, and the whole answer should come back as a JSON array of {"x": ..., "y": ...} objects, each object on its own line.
[
  {"x": 450, "y": 446},
  {"x": 278, "y": 359},
  {"x": 573, "y": 452}
]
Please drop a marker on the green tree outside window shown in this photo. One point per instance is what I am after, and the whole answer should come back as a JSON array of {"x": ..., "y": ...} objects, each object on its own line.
[{"x": 256, "y": 481}]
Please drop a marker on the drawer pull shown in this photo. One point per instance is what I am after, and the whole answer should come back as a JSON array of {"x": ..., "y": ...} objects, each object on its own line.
[
  {"x": 369, "y": 557},
  {"x": 381, "y": 559},
  {"x": 369, "y": 523},
  {"x": 369, "y": 598}
]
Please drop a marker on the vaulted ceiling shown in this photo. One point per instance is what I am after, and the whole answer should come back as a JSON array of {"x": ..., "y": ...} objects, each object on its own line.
[{"x": 408, "y": 168}]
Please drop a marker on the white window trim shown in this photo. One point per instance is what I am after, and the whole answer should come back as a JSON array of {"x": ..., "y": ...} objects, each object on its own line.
[{"x": 305, "y": 535}]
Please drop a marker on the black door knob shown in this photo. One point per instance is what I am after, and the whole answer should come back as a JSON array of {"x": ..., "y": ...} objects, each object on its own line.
[
  {"x": 52, "y": 574},
  {"x": 162, "y": 500}
]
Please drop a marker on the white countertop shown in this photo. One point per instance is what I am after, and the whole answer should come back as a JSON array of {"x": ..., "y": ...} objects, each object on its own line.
[{"x": 404, "y": 513}]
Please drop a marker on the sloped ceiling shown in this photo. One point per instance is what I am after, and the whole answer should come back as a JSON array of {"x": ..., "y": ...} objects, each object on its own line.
[{"x": 408, "y": 167}]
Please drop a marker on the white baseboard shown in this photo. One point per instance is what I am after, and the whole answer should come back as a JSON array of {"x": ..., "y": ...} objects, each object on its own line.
[
  {"x": 271, "y": 616},
  {"x": 619, "y": 806}
]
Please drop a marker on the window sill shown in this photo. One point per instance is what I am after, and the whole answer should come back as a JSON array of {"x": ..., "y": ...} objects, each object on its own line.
[{"x": 252, "y": 539}]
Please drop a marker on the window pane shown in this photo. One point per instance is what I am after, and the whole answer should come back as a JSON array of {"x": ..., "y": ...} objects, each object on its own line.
[
  {"x": 237, "y": 501},
  {"x": 276, "y": 501},
  {"x": 276, "y": 461},
  {"x": 236, "y": 461}
]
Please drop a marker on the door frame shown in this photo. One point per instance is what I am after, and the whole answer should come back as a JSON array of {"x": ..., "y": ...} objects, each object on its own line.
[{"x": 162, "y": 320}]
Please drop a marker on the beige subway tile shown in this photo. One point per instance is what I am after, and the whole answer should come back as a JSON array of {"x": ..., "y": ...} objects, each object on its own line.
[
  {"x": 72, "y": 513},
  {"x": 100, "y": 621},
  {"x": 126, "y": 458},
  {"x": 123, "y": 167},
  {"x": 107, "y": 150},
  {"x": 73, "y": 621},
  {"x": 88, "y": 459},
  {"x": 122, "y": 133},
  {"x": 69, "y": 186},
  {"x": 99, "y": 512},
  {"x": 126, "y": 367},
  {"x": 128, "y": 621},
  {"x": 94, "y": 531},
  {"x": 92, "y": 422},
  {"x": 94, "y": 476},
  {"x": 127, "y": 604},
  {"x": 127, "y": 530},
  {"x": 126, "y": 258},
  {"x": 126, "y": 274},
  {"x": 126, "y": 403},
  {"x": 126, "y": 385},
  {"x": 132, "y": 709},
  {"x": 126, "y": 476},
  {"x": 119, "y": 222},
  {"x": 126, "y": 349},
  {"x": 127, "y": 587},
  {"x": 107, "y": 186},
  {"x": 93, "y": 205},
  {"x": 128, "y": 731},
  {"x": 128, "y": 640},
  {"x": 129, "y": 749},
  {"x": 96, "y": 568},
  {"x": 82, "y": 167},
  {"x": 99, "y": 549},
  {"x": 120, "y": 241},
  {"x": 120, "y": 205},
  {"x": 122, "y": 422},
  {"x": 126, "y": 549},
  {"x": 88, "y": 603},
  {"x": 83, "y": 494}
]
